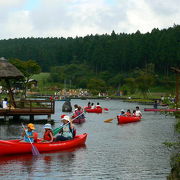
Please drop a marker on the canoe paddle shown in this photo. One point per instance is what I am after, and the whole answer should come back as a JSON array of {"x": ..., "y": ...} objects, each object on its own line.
[
  {"x": 109, "y": 120},
  {"x": 34, "y": 150},
  {"x": 55, "y": 131}
]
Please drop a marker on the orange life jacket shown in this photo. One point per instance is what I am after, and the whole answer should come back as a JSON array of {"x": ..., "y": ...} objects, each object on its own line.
[{"x": 47, "y": 136}]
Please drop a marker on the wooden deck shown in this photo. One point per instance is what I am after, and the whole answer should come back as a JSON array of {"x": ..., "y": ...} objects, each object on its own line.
[{"x": 30, "y": 108}]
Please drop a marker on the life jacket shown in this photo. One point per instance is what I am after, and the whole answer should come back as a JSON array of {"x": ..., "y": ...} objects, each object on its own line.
[
  {"x": 47, "y": 136},
  {"x": 98, "y": 106},
  {"x": 80, "y": 115},
  {"x": 35, "y": 135},
  {"x": 128, "y": 114},
  {"x": 72, "y": 130}
]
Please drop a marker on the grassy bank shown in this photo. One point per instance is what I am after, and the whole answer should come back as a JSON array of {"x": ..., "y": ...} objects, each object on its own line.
[{"x": 175, "y": 159}]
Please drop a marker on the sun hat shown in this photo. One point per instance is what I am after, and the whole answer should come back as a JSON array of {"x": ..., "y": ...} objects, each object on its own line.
[
  {"x": 67, "y": 118},
  {"x": 47, "y": 126},
  {"x": 31, "y": 126}
]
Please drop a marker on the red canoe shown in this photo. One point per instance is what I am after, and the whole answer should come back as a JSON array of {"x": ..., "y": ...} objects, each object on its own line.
[
  {"x": 165, "y": 110},
  {"x": 16, "y": 147},
  {"x": 95, "y": 110},
  {"x": 79, "y": 120},
  {"x": 127, "y": 119}
]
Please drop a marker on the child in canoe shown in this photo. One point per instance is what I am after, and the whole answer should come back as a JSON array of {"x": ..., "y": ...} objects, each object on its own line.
[
  {"x": 48, "y": 134},
  {"x": 128, "y": 113},
  {"x": 28, "y": 134}
]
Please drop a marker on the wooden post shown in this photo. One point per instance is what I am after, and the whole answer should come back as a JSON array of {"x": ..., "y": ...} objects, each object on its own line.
[
  {"x": 6, "y": 118},
  {"x": 16, "y": 117},
  {"x": 30, "y": 106},
  {"x": 49, "y": 118},
  {"x": 31, "y": 118}
]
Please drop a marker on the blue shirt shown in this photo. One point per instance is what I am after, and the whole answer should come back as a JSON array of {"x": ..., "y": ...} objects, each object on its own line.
[{"x": 29, "y": 133}]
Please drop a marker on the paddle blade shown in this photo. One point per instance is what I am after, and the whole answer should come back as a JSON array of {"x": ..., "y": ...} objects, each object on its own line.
[
  {"x": 56, "y": 131},
  {"x": 108, "y": 120},
  {"x": 35, "y": 151}
]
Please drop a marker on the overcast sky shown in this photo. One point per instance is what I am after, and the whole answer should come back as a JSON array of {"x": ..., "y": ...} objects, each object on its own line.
[{"x": 70, "y": 18}]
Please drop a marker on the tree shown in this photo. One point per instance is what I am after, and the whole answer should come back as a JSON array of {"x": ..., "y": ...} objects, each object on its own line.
[
  {"x": 131, "y": 84},
  {"x": 28, "y": 68},
  {"x": 77, "y": 74},
  {"x": 145, "y": 78},
  {"x": 96, "y": 85}
]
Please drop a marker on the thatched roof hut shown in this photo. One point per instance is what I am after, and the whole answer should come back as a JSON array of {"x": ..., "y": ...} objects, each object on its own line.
[{"x": 9, "y": 71}]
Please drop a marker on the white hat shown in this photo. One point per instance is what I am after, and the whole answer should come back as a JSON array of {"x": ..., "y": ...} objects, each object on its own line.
[
  {"x": 67, "y": 118},
  {"x": 47, "y": 126},
  {"x": 122, "y": 110}
]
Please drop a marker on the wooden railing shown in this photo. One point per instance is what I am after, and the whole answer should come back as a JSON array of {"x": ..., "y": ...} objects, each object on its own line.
[{"x": 31, "y": 107}]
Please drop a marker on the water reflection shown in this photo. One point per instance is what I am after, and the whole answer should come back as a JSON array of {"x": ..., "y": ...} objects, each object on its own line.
[{"x": 28, "y": 165}]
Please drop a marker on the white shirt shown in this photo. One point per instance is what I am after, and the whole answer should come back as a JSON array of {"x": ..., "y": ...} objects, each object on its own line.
[
  {"x": 138, "y": 113},
  {"x": 4, "y": 104},
  {"x": 92, "y": 107}
]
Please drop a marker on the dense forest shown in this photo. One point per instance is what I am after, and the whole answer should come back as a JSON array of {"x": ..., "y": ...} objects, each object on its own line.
[{"x": 103, "y": 56}]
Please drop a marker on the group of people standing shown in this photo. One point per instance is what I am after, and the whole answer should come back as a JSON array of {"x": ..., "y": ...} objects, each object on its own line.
[{"x": 136, "y": 112}]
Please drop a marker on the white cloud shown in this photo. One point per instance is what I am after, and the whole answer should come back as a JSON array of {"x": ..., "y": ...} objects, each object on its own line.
[
  {"x": 65, "y": 18},
  {"x": 11, "y": 3},
  {"x": 18, "y": 24}
]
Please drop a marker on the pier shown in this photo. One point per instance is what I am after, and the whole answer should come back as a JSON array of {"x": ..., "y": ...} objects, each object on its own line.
[{"x": 29, "y": 108}]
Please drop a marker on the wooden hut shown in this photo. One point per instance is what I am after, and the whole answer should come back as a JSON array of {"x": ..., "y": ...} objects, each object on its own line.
[{"x": 9, "y": 72}]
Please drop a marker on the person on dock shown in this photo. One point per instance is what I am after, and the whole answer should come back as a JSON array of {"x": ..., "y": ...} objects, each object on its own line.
[
  {"x": 48, "y": 134},
  {"x": 138, "y": 112},
  {"x": 28, "y": 134},
  {"x": 66, "y": 132},
  {"x": 5, "y": 103}
]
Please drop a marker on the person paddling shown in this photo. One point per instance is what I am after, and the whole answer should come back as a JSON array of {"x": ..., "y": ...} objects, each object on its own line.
[
  {"x": 128, "y": 113},
  {"x": 122, "y": 113},
  {"x": 138, "y": 112},
  {"x": 92, "y": 106},
  {"x": 28, "y": 133},
  {"x": 89, "y": 104},
  {"x": 98, "y": 105},
  {"x": 66, "y": 133}
]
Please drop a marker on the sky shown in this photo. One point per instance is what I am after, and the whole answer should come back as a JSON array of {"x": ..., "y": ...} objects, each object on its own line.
[{"x": 71, "y": 18}]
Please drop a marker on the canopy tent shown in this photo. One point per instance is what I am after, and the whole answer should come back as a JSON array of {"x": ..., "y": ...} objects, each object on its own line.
[{"x": 9, "y": 72}]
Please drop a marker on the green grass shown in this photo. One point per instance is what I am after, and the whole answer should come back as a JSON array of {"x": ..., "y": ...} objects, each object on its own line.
[{"x": 41, "y": 77}]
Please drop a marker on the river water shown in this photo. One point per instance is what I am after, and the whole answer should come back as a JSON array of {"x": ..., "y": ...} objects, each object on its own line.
[{"x": 132, "y": 151}]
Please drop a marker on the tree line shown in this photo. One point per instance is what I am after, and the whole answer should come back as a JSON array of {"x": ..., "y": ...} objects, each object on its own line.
[{"x": 105, "y": 59}]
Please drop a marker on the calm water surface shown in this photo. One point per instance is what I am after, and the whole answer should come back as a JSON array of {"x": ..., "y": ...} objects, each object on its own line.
[{"x": 126, "y": 152}]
